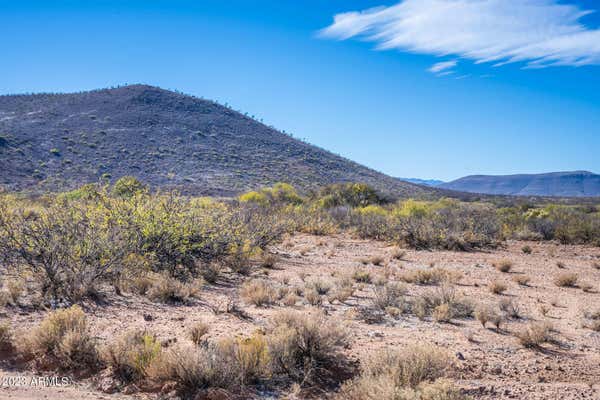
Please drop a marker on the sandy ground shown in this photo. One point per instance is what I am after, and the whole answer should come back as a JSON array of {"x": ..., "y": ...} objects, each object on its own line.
[{"x": 488, "y": 365}]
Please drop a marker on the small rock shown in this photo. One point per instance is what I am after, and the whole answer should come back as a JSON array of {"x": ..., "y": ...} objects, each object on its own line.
[
  {"x": 148, "y": 317},
  {"x": 460, "y": 356}
]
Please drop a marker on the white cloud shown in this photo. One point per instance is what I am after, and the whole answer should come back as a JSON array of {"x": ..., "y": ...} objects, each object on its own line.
[
  {"x": 443, "y": 67},
  {"x": 540, "y": 33}
]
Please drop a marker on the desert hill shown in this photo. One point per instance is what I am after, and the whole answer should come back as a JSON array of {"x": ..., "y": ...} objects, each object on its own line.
[{"x": 167, "y": 139}]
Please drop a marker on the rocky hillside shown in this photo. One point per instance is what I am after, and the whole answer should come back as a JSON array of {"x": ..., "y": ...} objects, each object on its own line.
[
  {"x": 561, "y": 184},
  {"x": 167, "y": 139}
]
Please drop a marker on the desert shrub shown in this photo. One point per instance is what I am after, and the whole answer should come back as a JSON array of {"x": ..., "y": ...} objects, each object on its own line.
[
  {"x": 269, "y": 261},
  {"x": 503, "y": 265},
  {"x": 362, "y": 276},
  {"x": 398, "y": 254},
  {"x": 535, "y": 334},
  {"x": 566, "y": 280},
  {"x": 321, "y": 286},
  {"x": 66, "y": 247},
  {"x": 306, "y": 347},
  {"x": 165, "y": 289},
  {"x": 6, "y": 338},
  {"x": 258, "y": 292},
  {"x": 526, "y": 249},
  {"x": 510, "y": 308},
  {"x": 412, "y": 373},
  {"x": 290, "y": 299},
  {"x": 432, "y": 276},
  {"x": 62, "y": 340},
  {"x": 341, "y": 294},
  {"x": 592, "y": 320},
  {"x": 442, "y": 313},
  {"x": 427, "y": 302},
  {"x": 389, "y": 295},
  {"x": 313, "y": 297},
  {"x": 522, "y": 280},
  {"x": 198, "y": 331},
  {"x": 497, "y": 287},
  {"x": 128, "y": 186},
  {"x": 446, "y": 224},
  {"x": 348, "y": 194},
  {"x": 228, "y": 364},
  {"x": 131, "y": 355},
  {"x": 377, "y": 260}
]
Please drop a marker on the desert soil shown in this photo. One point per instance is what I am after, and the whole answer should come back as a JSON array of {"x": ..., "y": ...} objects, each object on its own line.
[{"x": 489, "y": 364}]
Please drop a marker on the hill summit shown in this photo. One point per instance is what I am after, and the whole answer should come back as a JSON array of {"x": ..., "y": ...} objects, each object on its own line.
[{"x": 166, "y": 139}]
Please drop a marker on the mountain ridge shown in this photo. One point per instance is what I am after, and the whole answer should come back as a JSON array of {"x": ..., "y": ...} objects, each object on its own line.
[
  {"x": 557, "y": 184},
  {"x": 168, "y": 139}
]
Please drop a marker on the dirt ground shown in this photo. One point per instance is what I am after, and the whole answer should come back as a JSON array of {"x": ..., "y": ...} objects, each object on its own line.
[{"x": 489, "y": 364}]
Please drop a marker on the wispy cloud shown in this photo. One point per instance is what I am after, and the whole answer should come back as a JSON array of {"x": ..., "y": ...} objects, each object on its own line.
[
  {"x": 540, "y": 33},
  {"x": 443, "y": 68}
]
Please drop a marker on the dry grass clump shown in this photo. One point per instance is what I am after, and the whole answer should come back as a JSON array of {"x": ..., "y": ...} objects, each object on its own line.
[
  {"x": 269, "y": 261},
  {"x": 313, "y": 297},
  {"x": 165, "y": 289},
  {"x": 497, "y": 287},
  {"x": 258, "y": 292},
  {"x": 15, "y": 289},
  {"x": 458, "y": 306},
  {"x": 503, "y": 265},
  {"x": 377, "y": 260},
  {"x": 566, "y": 280},
  {"x": 587, "y": 287},
  {"x": 442, "y": 313},
  {"x": 290, "y": 300},
  {"x": 592, "y": 320},
  {"x": 412, "y": 373},
  {"x": 6, "y": 338},
  {"x": 510, "y": 309},
  {"x": 230, "y": 364},
  {"x": 4, "y": 298},
  {"x": 131, "y": 355},
  {"x": 211, "y": 272},
  {"x": 362, "y": 276},
  {"x": 535, "y": 334},
  {"x": 432, "y": 276},
  {"x": 389, "y": 295},
  {"x": 341, "y": 294},
  {"x": 306, "y": 347},
  {"x": 522, "y": 280},
  {"x": 62, "y": 340},
  {"x": 198, "y": 331},
  {"x": 526, "y": 249},
  {"x": 321, "y": 286},
  {"x": 485, "y": 314},
  {"x": 398, "y": 254}
]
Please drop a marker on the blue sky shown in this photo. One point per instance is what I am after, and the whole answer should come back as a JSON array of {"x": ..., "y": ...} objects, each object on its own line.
[{"x": 369, "y": 86}]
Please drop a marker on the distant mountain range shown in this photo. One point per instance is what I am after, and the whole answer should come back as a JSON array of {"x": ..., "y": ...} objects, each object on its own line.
[
  {"x": 166, "y": 139},
  {"x": 560, "y": 184},
  {"x": 426, "y": 182}
]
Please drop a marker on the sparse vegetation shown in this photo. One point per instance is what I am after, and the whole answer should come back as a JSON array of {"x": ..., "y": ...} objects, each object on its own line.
[
  {"x": 497, "y": 287},
  {"x": 61, "y": 341},
  {"x": 535, "y": 334},
  {"x": 566, "y": 280},
  {"x": 522, "y": 280},
  {"x": 412, "y": 373},
  {"x": 503, "y": 265},
  {"x": 258, "y": 292},
  {"x": 306, "y": 347}
]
